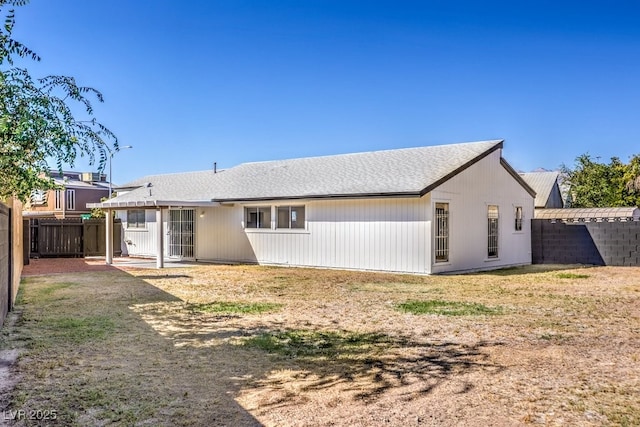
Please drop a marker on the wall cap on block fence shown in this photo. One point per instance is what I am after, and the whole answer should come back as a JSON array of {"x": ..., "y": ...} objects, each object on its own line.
[{"x": 570, "y": 215}]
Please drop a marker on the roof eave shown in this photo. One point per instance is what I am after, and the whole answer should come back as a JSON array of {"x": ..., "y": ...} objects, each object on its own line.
[
  {"x": 517, "y": 177},
  {"x": 152, "y": 203}
]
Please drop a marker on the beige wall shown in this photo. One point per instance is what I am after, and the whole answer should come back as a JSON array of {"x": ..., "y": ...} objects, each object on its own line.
[{"x": 18, "y": 245}]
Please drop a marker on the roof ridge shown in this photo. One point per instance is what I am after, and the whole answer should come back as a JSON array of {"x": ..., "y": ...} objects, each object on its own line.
[{"x": 386, "y": 150}]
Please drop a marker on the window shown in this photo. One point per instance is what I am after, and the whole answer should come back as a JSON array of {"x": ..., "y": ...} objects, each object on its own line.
[
  {"x": 518, "y": 218},
  {"x": 71, "y": 200},
  {"x": 38, "y": 197},
  {"x": 58, "y": 200},
  {"x": 442, "y": 232},
  {"x": 291, "y": 217},
  {"x": 258, "y": 217},
  {"x": 492, "y": 217},
  {"x": 136, "y": 218}
]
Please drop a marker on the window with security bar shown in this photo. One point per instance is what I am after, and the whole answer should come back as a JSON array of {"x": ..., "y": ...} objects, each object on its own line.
[
  {"x": 442, "y": 232},
  {"x": 492, "y": 231}
]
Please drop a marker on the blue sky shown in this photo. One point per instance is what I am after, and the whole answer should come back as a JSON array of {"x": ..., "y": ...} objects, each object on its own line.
[{"x": 195, "y": 82}]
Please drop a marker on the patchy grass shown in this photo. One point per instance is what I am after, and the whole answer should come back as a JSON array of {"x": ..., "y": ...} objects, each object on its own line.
[
  {"x": 447, "y": 308},
  {"x": 234, "y": 307},
  {"x": 76, "y": 330},
  {"x": 48, "y": 290},
  {"x": 572, "y": 276},
  {"x": 320, "y": 347},
  {"x": 311, "y": 344}
]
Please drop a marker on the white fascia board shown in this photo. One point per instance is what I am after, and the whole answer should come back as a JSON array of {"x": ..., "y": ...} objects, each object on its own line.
[{"x": 151, "y": 203}]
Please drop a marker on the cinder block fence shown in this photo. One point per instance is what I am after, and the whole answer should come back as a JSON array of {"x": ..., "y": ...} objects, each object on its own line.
[{"x": 613, "y": 243}]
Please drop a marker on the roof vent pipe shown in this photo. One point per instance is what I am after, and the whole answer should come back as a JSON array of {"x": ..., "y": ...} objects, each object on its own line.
[{"x": 215, "y": 167}]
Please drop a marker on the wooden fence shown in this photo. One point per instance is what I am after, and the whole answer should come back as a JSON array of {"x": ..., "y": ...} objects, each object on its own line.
[
  {"x": 73, "y": 237},
  {"x": 6, "y": 265}
]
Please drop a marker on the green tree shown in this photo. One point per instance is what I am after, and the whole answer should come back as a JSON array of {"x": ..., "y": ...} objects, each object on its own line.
[
  {"x": 595, "y": 184},
  {"x": 37, "y": 122}
]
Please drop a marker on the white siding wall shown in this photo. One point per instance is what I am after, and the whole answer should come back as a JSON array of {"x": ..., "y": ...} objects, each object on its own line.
[
  {"x": 468, "y": 194},
  {"x": 382, "y": 234},
  {"x": 221, "y": 237},
  {"x": 142, "y": 240}
]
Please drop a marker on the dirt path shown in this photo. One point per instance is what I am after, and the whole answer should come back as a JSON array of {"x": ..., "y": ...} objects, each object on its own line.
[{"x": 44, "y": 266}]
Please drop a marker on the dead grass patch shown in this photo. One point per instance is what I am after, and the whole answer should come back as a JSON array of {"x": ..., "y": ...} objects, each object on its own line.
[{"x": 251, "y": 345}]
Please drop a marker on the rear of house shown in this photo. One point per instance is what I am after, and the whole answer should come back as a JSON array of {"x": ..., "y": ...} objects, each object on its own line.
[{"x": 423, "y": 210}]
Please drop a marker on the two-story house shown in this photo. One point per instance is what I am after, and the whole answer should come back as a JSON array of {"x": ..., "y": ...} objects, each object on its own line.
[{"x": 70, "y": 201}]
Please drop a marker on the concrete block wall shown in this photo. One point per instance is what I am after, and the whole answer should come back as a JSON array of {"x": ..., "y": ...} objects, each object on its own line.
[{"x": 599, "y": 243}]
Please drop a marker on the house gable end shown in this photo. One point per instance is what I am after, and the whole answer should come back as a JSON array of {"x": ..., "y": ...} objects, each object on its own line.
[
  {"x": 455, "y": 172},
  {"x": 517, "y": 177}
]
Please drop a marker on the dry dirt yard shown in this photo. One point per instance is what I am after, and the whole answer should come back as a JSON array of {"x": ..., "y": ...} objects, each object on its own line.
[{"x": 213, "y": 345}]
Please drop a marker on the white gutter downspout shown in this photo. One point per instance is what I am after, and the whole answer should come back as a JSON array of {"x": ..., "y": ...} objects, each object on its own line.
[
  {"x": 159, "y": 238},
  {"x": 109, "y": 237}
]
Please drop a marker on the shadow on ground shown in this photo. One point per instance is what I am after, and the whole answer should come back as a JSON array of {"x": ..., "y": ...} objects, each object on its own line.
[
  {"x": 87, "y": 356},
  {"x": 106, "y": 346}
]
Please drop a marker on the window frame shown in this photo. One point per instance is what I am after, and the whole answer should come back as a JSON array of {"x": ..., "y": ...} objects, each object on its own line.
[
  {"x": 493, "y": 231},
  {"x": 519, "y": 218},
  {"x": 260, "y": 224},
  {"x": 70, "y": 199},
  {"x": 137, "y": 224},
  {"x": 441, "y": 233},
  {"x": 292, "y": 211},
  {"x": 58, "y": 202}
]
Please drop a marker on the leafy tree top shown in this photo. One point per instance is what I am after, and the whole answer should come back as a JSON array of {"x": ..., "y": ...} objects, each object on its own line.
[
  {"x": 594, "y": 184},
  {"x": 37, "y": 122}
]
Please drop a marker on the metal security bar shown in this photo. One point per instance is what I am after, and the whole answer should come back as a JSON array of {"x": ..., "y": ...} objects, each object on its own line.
[
  {"x": 518, "y": 214},
  {"x": 442, "y": 232},
  {"x": 492, "y": 217},
  {"x": 181, "y": 233}
]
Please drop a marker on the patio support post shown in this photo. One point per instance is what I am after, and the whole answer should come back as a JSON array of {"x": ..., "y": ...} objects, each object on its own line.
[
  {"x": 160, "y": 244},
  {"x": 109, "y": 237}
]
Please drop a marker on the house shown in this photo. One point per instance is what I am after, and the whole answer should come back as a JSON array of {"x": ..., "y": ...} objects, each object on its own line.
[
  {"x": 547, "y": 187},
  {"x": 70, "y": 201},
  {"x": 425, "y": 210}
]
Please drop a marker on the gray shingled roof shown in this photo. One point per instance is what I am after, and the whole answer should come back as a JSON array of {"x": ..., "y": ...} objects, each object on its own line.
[
  {"x": 542, "y": 183},
  {"x": 167, "y": 189},
  {"x": 408, "y": 171}
]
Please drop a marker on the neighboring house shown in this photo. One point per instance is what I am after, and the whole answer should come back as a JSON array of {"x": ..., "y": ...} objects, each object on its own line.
[
  {"x": 425, "y": 210},
  {"x": 547, "y": 187},
  {"x": 70, "y": 201}
]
